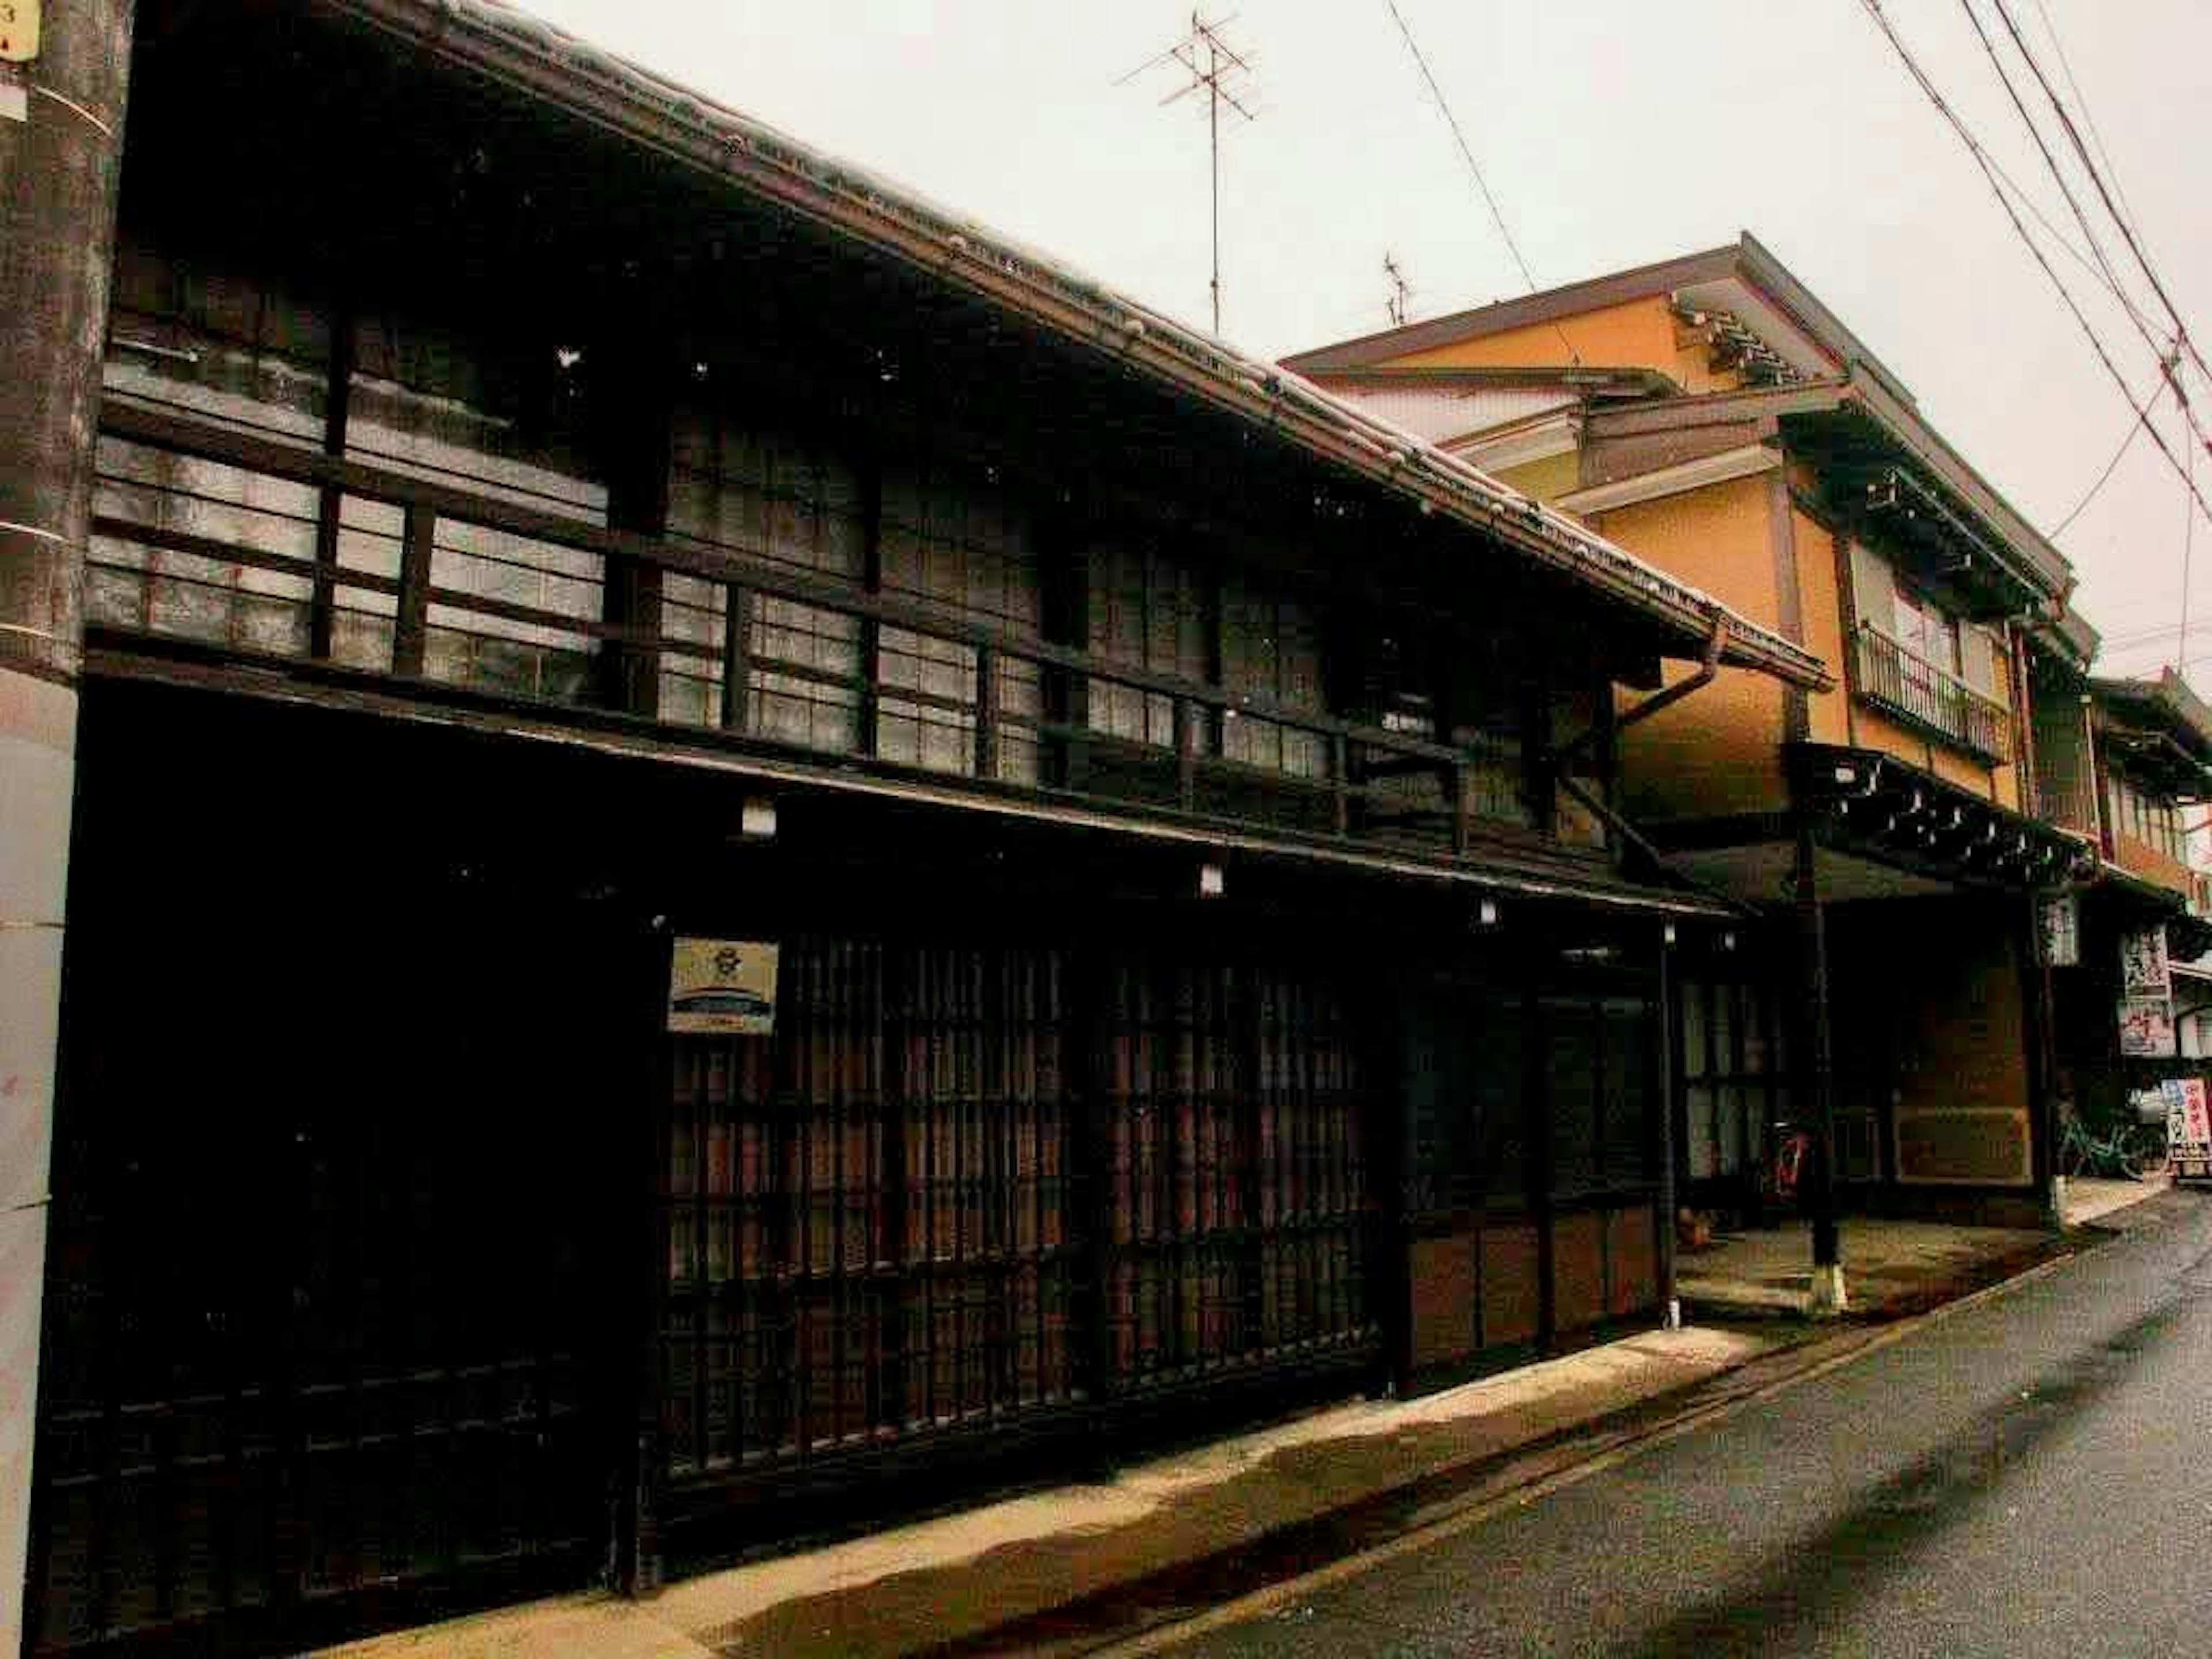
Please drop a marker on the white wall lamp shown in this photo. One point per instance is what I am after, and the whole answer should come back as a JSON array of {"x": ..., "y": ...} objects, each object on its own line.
[
  {"x": 1212, "y": 881},
  {"x": 757, "y": 818}
]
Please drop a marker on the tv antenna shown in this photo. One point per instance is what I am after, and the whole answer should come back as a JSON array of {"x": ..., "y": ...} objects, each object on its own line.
[
  {"x": 1401, "y": 291},
  {"x": 1210, "y": 65}
]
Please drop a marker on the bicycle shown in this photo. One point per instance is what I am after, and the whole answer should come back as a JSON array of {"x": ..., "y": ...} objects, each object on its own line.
[{"x": 2130, "y": 1151}]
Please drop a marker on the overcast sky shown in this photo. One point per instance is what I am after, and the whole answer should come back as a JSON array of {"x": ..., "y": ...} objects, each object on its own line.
[{"x": 1614, "y": 132}]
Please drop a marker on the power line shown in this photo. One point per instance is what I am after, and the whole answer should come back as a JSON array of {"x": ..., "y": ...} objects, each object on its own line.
[
  {"x": 2188, "y": 540},
  {"x": 1467, "y": 153},
  {"x": 2135, "y": 431},
  {"x": 2166, "y": 357},
  {"x": 1873, "y": 9},
  {"x": 2097, "y": 178},
  {"x": 2065, "y": 190},
  {"x": 2081, "y": 103}
]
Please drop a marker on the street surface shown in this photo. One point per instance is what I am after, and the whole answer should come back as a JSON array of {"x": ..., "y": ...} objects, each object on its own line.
[{"x": 2031, "y": 1476}]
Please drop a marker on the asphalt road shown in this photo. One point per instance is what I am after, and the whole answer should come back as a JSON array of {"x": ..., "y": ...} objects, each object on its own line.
[{"x": 2031, "y": 1476}]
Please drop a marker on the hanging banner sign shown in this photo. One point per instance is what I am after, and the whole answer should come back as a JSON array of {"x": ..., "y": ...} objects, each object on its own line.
[
  {"x": 2143, "y": 964},
  {"x": 722, "y": 988},
  {"x": 2061, "y": 931},
  {"x": 2147, "y": 1028},
  {"x": 2189, "y": 1127}
]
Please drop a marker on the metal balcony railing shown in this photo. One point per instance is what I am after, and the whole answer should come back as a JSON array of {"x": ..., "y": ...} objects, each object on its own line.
[{"x": 1907, "y": 683}]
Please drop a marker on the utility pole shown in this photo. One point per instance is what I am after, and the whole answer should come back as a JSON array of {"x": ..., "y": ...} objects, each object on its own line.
[
  {"x": 63, "y": 68},
  {"x": 1401, "y": 291},
  {"x": 1210, "y": 65}
]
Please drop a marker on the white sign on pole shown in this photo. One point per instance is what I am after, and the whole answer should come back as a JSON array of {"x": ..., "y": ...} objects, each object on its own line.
[{"x": 2189, "y": 1127}]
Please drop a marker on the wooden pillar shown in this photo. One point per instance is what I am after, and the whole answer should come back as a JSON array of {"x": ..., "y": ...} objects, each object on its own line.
[
  {"x": 1662, "y": 1063},
  {"x": 2040, "y": 1004},
  {"x": 61, "y": 132},
  {"x": 1816, "y": 1059}
]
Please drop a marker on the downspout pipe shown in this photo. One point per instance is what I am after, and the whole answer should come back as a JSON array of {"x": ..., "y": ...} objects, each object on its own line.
[{"x": 1708, "y": 667}]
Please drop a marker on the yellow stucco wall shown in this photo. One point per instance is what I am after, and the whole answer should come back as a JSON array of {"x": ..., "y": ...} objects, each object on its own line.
[
  {"x": 1719, "y": 752},
  {"x": 1548, "y": 479},
  {"x": 1820, "y": 602},
  {"x": 1639, "y": 334}
]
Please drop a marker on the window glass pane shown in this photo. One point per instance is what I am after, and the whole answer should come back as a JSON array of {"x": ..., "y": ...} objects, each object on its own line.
[
  {"x": 1271, "y": 650},
  {"x": 1729, "y": 1129},
  {"x": 777, "y": 498},
  {"x": 1628, "y": 1150},
  {"x": 1147, "y": 609},
  {"x": 1571, "y": 1049},
  {"x": 1694, "y": 997},
  {"x": 1497, "y": 1069},
  {"x": 243, "y": 351},
  {"x": 1702, "y": 1147}
]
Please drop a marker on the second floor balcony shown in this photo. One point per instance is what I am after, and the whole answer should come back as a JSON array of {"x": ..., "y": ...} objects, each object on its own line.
[
  {"x": 1929, "y": 697},
  {"x": 262, "y": 552}
]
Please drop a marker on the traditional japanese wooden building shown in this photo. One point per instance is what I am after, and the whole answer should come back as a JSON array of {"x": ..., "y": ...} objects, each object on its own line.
[
  {"x": 536, "y": 517},
  {"x": 1709, "y": 413},
  {"x": 2120, "y": 762}
]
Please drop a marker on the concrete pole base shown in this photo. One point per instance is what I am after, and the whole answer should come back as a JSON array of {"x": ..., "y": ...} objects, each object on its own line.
[
  {"x": 1825, "y": 1298},
  {"x": 2056, "y": 1213}
]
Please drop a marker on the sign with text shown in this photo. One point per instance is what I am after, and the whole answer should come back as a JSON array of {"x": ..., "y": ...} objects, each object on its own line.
[
  {"x": 2143, "y": 964},
  {"x": 19, "y": 31},
  {"x": 2147, "y": 1028},
  {"x": 2061, "y": 931},
  {"x": 2189, "y": 1127},
  {"x": 722, "y": 986}
]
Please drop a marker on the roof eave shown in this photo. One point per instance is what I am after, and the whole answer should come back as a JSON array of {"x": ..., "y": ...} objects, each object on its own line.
[{"x": 544, "y": 63}]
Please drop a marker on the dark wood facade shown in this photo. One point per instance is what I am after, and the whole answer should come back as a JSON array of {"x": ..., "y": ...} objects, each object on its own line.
[{"x": 475, "y": 535}]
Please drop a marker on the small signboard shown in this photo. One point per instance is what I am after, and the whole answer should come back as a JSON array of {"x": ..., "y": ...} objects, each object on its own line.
[
  {"x": 19, "y": 31},
  {"x": 2143, "y": 964},
  {"x": 2147, "y": 1028},
  {"x": 722, "y": 986},
  {"x": 2189, "y": 1127},
  {"x": 2061, "y": 931}
]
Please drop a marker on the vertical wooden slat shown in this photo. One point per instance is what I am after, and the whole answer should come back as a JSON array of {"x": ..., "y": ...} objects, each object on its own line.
[
  {"x": 411, "y": 620},
  {"x": 329, "y": 500},
  {"x": 738, "y": 658},
  {"x": 1186, "y": 740},
  {"x": 986, "y": 712}
]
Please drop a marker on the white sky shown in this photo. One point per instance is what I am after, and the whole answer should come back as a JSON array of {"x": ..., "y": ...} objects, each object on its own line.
[{"x": 1614, "y": 132}]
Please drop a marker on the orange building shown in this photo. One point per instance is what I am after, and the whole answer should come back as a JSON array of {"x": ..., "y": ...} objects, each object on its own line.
[{"x": 1711, "y": 415}]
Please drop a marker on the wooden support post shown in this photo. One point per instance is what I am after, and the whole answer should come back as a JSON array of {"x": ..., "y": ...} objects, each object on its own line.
[
  {"x": 1662, "y": 1063},
  {"x": 329, "y": 500},
  {"x": 2040, "y": 1004},
  {"x": 58, "y": 167},
  {"x": 1186, "y": 739},
  {"x": 640, "y": 1458},
  {"x": 738, "y": 658},
  {"x": 410, "y": 626},
  {"x": 1816, "y": 1059},
  {"x": 986, "y": 712}
]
